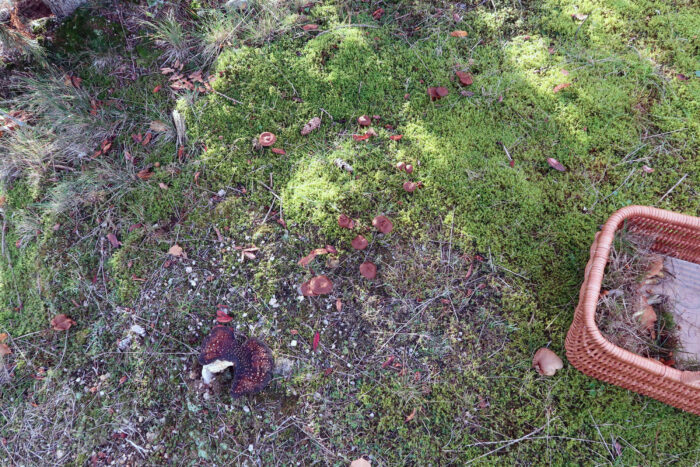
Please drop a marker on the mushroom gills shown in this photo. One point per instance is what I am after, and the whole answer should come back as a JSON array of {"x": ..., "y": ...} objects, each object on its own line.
[{"x": 217, "y": 366}]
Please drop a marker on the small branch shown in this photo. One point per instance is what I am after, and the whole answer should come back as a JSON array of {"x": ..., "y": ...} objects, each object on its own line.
[
  {"x": 673, "y": 187},
  {"x": 523, "y": 438},
  {"x": 226, "y": 97}
]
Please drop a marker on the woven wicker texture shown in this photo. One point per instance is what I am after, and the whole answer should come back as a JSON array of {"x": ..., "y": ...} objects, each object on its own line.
[{"x": 675, "y": 235}]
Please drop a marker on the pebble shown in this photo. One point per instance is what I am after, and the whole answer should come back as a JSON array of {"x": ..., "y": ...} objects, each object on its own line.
[{"x": 293, "y": 343}]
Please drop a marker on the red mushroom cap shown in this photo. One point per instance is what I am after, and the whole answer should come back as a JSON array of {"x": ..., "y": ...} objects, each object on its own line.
[
  {"x": 368, "y": 270},
  {"x": 254, "y": 365},
  {"x": 465, "y": 79},
  {"x": 345, "y": 222},
  {"x": 267, "y": 139},
  {"x": 401, "y": 166},
  {"x": 252, "y": 359},
  {"x": 359, "y": 243},
  {"x": 383, "y": 224},
  {"x": 410, "y": 186},
  {"x": 409, "y": 168},
  {"x": 364, "y": 120},
  {"x": 442, "y": 91},
  {"x": 219, "y": 345}
]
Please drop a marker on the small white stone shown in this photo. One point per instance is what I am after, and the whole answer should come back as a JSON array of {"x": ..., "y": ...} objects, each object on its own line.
[
  {"x": 188, "y": 270},
  {"x": 221, "y": 193},
  {"x": 250, "y": 448},
  {"x": 246, "y": 409},
  {"x": 293, "y": 343}
]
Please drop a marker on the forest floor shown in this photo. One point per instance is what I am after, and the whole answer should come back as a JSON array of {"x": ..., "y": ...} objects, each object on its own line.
[{"x": 429, "y": 363}]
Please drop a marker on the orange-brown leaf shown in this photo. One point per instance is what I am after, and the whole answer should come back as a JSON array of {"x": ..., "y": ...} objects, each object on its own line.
[
  {"x": 561, "y": 86},
  {"x": 458, "y": 33},
  {"x": 62, "y": 322}
]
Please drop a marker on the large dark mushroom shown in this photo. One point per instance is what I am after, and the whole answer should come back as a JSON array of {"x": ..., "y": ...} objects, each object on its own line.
[{"x": 251, "y": 358}]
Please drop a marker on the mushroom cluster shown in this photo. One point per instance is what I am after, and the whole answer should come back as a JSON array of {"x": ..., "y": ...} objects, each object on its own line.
[{"x": 251, "y": 358}]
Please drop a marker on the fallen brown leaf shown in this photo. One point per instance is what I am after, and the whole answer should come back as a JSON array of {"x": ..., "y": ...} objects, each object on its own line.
[
  {"x": 5, "y": 350},
  {"x": 176, "y": 250},
  {"x": 561, "y": 86},
  {"x": 458, "y": 33},
  {"x": 62, "y": 322}
]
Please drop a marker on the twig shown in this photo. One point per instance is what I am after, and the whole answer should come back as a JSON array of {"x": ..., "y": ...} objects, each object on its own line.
[
  {"x": 580, "y": 26},
  {"x": 615, "y": 190},
  {"x": 507, "y": 153},
  {"x": 673, "y": 187},
  {"x": 522, "y": 438},
  {"x": 226, "y": 97},
  {"x": 17, "y": 121}
]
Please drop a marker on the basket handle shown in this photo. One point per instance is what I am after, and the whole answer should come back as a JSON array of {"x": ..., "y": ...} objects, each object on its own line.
[{"x": 691, "y": 377}]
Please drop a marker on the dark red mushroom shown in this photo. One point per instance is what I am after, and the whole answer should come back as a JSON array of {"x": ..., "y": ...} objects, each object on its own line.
[
  {"x": 254, "y": 367},
  {"x": 364, "y": 120},
  {"x": 345, "y": 222},
  {"x": 383, "y": 224},
  {"x": 465, "y": 79},
  {"x": 368, "y": 270},
  {"x": 409, "y": 168},
  {"x": 267, "y": 139},
  {"x": 252, "y": 360},
  {"x": 359, "y": 242},
  {"x": 401, "y": 166},
  {"x": 410, "y": 186}
]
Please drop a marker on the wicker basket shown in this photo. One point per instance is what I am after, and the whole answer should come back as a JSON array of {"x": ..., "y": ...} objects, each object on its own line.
[{"x": 674, "y": 235}]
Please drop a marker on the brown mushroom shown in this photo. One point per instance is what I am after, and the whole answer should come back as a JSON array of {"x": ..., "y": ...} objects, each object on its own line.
[
  {"x": 410, "y": 186},
  {"x": 383, "y": 224},
  {"x": 368, "y": 270},
  {"x": 267, "y": 139},
  {"x": 364, "y": 120},
  {"x": 359, "y": 242},
  {"x": 252, "y": 360},
  {"x": 345, "y": 222},
  {"x": 546, "y": 362},
  {"x": 319, "y": 285}
]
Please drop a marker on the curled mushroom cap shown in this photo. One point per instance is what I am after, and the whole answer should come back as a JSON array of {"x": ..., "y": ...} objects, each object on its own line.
[
  {"x": 368, "y": 270},
  {"x": 383, "y": 224},
  {"x": 359, "y": 243},
  {"x": 546, "y": 362},
  {"x": 252, "y": 360},
  {"x": 267, "y": 139},
  {"x": 345, "y": 222},
  {"x": 364, "y": 120}
]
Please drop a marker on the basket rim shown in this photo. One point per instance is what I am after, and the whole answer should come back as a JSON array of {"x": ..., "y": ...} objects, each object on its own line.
[{"x": 593, "y": 279}]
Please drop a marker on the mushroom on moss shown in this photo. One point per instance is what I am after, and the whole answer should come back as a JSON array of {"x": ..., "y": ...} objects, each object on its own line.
[
  {"x": 383, "y": 224},
  {"x": 546, "y": 362},
  {"x": 368, "y": 270},
  {"x": 359, "y": 242},
  {"x": 364, "y": 120},
  {"x": 267, "y": 139},
  {"x": 345, "y": 222},
  {"x": 252, "y": 360},
  {"x": 319, "y": 285}
]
